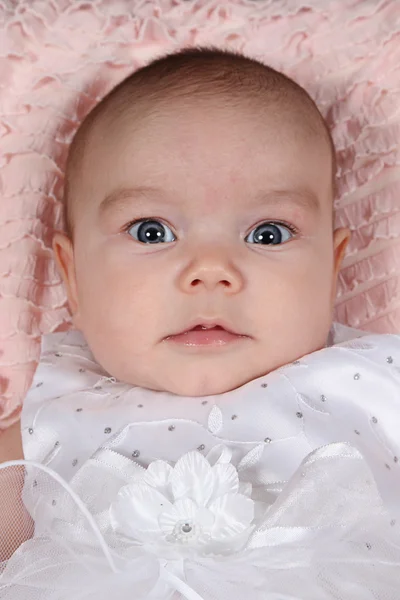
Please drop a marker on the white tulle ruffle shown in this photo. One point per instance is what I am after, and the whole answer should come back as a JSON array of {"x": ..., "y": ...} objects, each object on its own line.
[{"x": 194, "y": 530}]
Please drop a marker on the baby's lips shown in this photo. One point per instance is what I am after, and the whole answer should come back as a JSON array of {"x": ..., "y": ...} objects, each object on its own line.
[
  {"x": 206, "y": 333},
  {"x": 205, "y": 324}
]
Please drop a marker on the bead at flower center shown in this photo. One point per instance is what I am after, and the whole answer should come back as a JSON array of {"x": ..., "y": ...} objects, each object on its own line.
[{"x": 185, "y": 532}]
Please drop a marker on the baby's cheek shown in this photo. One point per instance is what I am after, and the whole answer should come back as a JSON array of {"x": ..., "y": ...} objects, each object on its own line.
[
  {"x": 298, "y": 297},
  {"x": 312, "y": 291},
  {"x": 119, "y": 308}
]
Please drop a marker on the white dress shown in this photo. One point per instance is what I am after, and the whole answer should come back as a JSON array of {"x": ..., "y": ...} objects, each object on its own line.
[{"x": 286, "y": 488}]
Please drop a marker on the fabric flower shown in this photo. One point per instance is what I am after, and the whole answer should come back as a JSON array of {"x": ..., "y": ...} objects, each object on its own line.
[{"x": 192, "y": 505}]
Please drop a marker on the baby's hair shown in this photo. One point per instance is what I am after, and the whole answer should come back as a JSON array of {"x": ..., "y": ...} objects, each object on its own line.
[{"x": 194, "y": 73}]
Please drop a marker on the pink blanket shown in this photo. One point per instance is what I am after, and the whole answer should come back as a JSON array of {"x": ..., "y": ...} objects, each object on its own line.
[{"x": 58, "y": 57}]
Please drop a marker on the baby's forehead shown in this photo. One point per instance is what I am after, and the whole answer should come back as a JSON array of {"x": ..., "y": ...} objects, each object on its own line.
[
  {"x": 168, "y": 123},
  {"x": 254, "y": 134}
]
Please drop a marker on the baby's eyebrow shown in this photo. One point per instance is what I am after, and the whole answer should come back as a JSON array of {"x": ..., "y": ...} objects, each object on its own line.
[
  {"x": 116, "y": 199},
  {"x": 302, "y": 198}
]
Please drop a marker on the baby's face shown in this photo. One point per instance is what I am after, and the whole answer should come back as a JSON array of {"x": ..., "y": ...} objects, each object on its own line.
[{"x": 239, "y": 210}]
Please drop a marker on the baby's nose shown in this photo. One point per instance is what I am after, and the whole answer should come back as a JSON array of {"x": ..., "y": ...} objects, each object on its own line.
[{"x": 210, "y": 273}]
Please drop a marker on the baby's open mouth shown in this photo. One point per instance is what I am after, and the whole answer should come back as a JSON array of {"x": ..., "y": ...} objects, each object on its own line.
[
  {"x": 206, "y": 334},
  {"x": 205, "y": 328}
]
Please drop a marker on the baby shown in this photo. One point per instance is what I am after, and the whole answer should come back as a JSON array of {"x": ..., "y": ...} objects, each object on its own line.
[{"x": 200, "y": 252}]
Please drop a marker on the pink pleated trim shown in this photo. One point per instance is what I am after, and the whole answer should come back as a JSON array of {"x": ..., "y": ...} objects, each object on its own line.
[{"x": 59, "y": 57}]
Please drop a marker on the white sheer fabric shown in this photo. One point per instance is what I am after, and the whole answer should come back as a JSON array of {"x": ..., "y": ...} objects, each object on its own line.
[{"x": 287, "y": 488}]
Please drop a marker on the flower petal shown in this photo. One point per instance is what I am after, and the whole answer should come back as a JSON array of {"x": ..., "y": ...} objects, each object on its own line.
[
  {"x": 226, "y": 480},
  {"x": 245, "y": 488},
  {"x": 137, "y": 507},
  {"x": 193, "y": 478},
  {"x": 205, "y": 518},
  {"x": 158, "y": 475},
  {"x": 183, "y": 510},
  {"x": 233, "y": 515}
]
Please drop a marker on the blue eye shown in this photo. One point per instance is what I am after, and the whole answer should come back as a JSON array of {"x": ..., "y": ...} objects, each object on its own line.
[
  {"x": 150, "y": 231},
  {"x": 270, "y": 234}
]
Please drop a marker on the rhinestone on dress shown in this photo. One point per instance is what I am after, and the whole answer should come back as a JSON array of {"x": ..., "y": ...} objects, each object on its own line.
[
  {"x": 204, "y": 402},
  {"x": 74, "y": 462},
  {"x": 171, "y": 428},
  {"x": 186, "y": 528},
  {"x": 357, "y": 376},
  {"x": 30, "y": 430},
  {"x": 233, "y": 417},
  {"x": 79, "y": 409},
  {"x": 368, "y": 546},
  {"x": 323, "y": 398},
  {"x": 396, "y": 459},
  {"x": 140, "y": 405},
  {"x": 267, "y": 440},
  {"x": 264, "y": 385},
  {"x": 356, "y": 432},
  {"x": 389, "y": 360},
  {"x": 201, "y": 447},
  {"x": 374, "y": 420},
  {"x": 107, "y": 430},
  {"x": 136, "y": 454},
  {"x": 299, "y": 415}
]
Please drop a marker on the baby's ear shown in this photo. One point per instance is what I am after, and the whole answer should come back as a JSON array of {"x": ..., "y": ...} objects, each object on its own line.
[
  {"x": 341, "y": 238},
  {"x": 64, "y": 255}
]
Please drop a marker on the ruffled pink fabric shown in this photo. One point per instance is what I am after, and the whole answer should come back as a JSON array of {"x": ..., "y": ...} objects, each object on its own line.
[{"x": 59, "y": 57}]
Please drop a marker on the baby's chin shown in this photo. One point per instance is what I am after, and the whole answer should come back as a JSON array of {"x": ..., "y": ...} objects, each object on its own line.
[
  {"x": 203, "y": 384},
  {"x": 211, "y": 375},
  {"x": 206, "y": 386}
]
